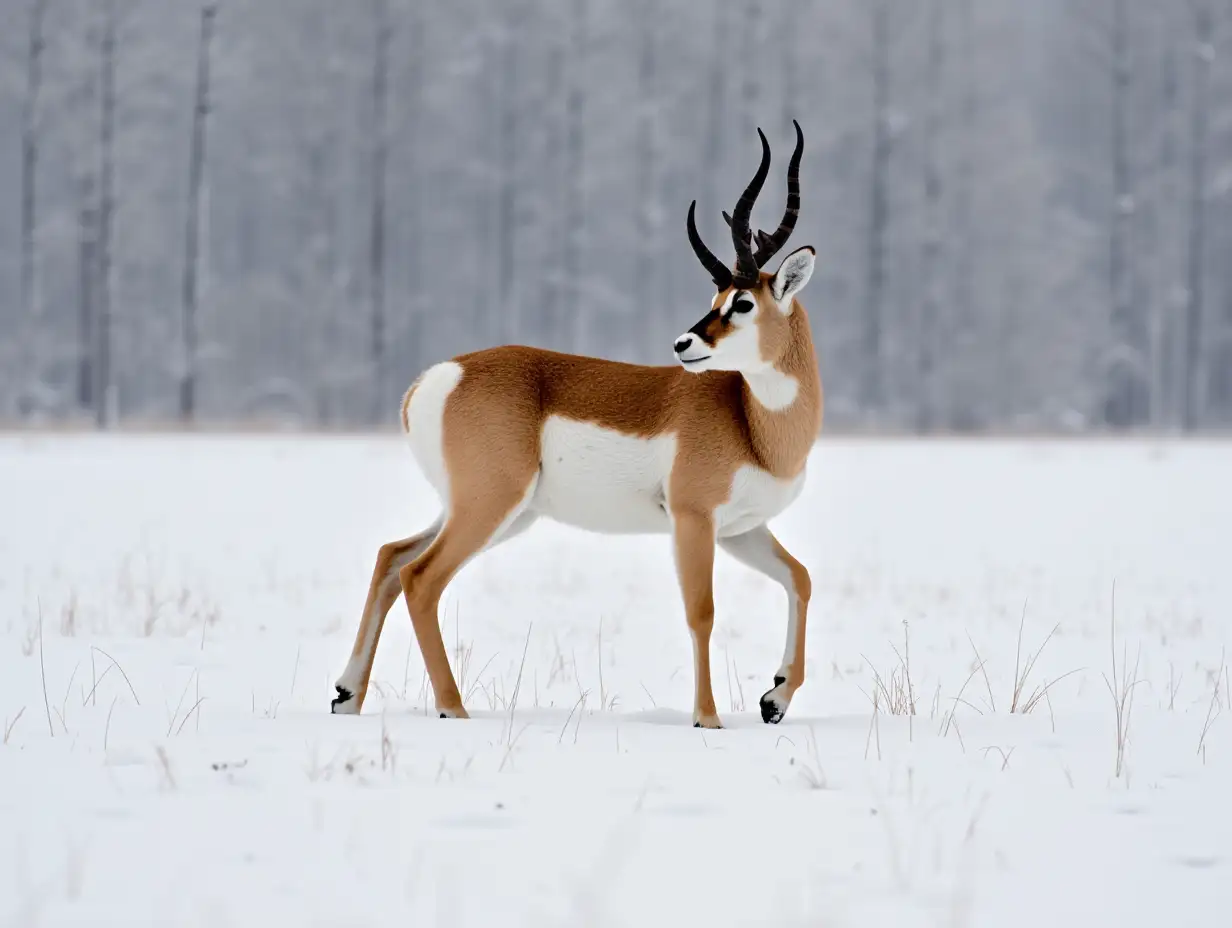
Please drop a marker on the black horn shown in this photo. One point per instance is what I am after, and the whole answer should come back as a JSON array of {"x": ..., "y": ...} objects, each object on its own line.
[
  {"x": 772, "y": 243},
  {"x": 747, "y": 270},
  {"x": 759, "y": 236},
  {"x": 718, "y": 270}
]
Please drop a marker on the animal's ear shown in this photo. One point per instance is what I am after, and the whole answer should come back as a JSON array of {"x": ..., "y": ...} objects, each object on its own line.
[{"x": 792, "y": 275}]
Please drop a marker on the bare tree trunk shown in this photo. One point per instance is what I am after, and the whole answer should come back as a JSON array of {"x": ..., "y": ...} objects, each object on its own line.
[
  {"x": 963, "y": 326},
  {"x": 29, "y": 161},
  {"x": 931, "y": 258},
  {"x": 872, "y": 393},
  {"x": 648, "y": 226},
  {"x": 380, "y": 157},
  {"x": 750, "y": 87},
  {"x": 553, "y": 316},
  {"x": 575, "y": 147},
  {"x": 87, "y": 218},
  {"x": 1204, "y": 53},
  {"x": 793, "y": 12},
  {"x": 411, "y": 105},
  {"x": 1123, "y": 387},
  {"x": 716, "y": 124},
  {"x": 1164, "y": 389},
  {"x": 104, "y": 392},
  {"x": 507, "y": 172},
  {"x": 196, "y": 168}
]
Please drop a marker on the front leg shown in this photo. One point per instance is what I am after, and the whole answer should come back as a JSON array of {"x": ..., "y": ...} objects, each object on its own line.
[
  {"x": 760, "y": 550},
  {"x": 694, "y": 544}
]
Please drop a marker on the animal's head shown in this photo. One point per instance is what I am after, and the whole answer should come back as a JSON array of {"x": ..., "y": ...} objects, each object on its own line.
[{"x": 748, "y": 326}]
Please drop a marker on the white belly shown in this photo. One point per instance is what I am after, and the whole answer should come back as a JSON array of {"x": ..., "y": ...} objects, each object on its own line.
[
  {"x": 756, "y": 498},
  {"x": 602, "y": 480}
]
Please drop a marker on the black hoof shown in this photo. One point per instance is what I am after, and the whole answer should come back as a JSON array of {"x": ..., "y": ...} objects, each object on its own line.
[
  {"x": 444, "y": 716},
  {"x": 697, "y": 724},
  {"x": 771, "y": 714},
  {"x": 344, "y": 695}
]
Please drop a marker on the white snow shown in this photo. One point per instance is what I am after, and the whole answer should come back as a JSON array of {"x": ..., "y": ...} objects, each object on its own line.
[{"x": 225, "y": 576}]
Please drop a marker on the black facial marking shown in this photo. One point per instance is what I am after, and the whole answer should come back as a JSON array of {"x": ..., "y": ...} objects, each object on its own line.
[
  {"x": 703, "y": 328},
  {"x": 779, "y": 681},
  {"x": 344, "y": 695}
]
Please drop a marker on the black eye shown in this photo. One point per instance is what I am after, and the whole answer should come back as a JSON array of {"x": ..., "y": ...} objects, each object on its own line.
[{"x": 742, "y": 306}]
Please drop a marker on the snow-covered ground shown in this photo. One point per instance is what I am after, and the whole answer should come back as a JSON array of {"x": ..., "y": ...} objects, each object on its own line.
[{"x": 193, "y": 599}]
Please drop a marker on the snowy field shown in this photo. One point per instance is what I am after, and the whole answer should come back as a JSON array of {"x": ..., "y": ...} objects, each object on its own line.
[{"x": 174, "y": 612}]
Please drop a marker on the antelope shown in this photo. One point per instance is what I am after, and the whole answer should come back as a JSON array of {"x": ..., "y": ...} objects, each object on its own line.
[{"x": 708, "y": 450}]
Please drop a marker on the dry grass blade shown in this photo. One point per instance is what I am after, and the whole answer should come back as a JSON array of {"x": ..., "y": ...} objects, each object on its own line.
[
  {"x": 9, "y": 726},
  {"x": 187, "y": 715},
  {"x": 992, "y": 702},
  {"x": 1121, "y": 689},
  {"x": 813, "y": 774},
  {"x": 175, "y": 715},
  {"x": 580, "y": 700},
  {"x": 43, "y": 672},
  {"x": 897, "y": 694},
  {"x": 1041, "y": 692},
  {"x": 949, "y": 716},
  {"x": 94, "y": 689},
  {"x": 117, "y": 666},
  {"x": 508, "y": 735},
  {"x": 1214, "y": 709}
]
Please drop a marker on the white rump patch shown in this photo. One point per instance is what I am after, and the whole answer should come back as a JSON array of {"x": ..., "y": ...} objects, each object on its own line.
[
  {"x": 425, "y": 423},
  {"x": 601, "y": 479}
]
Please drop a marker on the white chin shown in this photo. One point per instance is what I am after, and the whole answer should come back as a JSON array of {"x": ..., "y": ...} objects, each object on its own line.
[{"x": 700, "y": 364}]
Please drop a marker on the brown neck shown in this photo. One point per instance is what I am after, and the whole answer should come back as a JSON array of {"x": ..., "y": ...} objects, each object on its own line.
[{"x": 782, "y": 437}]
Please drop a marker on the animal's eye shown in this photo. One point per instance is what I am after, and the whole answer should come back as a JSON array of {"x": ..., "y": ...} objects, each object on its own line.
[{"x": 742, "y": 306}]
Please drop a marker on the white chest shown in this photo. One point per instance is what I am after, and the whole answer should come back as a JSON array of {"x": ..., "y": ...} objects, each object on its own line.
[{"x": 756, "y": 498}]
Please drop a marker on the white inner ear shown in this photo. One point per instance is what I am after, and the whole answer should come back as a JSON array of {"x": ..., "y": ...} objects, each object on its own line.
[{"x": 792, "y": 275}]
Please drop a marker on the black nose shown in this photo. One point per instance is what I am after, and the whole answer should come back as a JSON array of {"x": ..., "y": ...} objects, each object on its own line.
[{"x": 682, "y": 344}]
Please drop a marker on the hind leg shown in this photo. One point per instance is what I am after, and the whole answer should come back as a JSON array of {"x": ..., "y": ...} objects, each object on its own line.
[
  {"x": 352, "y": 686},
  {"x": 477, "y": 525}
]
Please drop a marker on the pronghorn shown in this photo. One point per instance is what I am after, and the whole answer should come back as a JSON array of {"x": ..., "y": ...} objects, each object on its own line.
[{"x": 708, "y": 450}]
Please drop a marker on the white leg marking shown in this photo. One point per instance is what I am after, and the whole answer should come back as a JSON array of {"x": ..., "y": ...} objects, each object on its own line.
[{"x": 756, "y": 549}]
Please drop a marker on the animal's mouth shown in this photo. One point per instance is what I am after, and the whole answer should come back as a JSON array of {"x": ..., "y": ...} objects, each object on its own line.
[{"x": 704, "y": 357}]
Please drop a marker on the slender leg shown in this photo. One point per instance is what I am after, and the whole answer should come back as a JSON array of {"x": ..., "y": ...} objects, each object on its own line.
[
  {"x": 760, "y": 550},
  {"x": 694, "y": 544},
  {"x": 477, "y": 526},
  {"x": 352, "y": 686}
]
